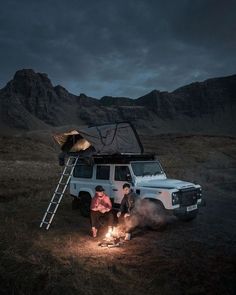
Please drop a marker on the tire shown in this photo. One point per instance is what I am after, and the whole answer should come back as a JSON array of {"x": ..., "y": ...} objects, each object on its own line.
[
  {"x": 187, "y": 218},
  {"x": 85, "y": 201},
  {"x": 75, "y": 204},
  {"x": 157, "y": 215}
]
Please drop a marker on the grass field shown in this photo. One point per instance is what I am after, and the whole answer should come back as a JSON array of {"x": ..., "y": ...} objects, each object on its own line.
[{"x": 186, "y": 258}]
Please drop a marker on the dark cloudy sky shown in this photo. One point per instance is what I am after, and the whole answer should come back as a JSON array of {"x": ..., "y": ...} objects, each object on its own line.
[{"x": 118, "y": 48}]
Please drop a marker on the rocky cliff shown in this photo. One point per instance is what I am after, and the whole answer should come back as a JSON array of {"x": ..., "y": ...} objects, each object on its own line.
[{"x": 30, "y": 101}]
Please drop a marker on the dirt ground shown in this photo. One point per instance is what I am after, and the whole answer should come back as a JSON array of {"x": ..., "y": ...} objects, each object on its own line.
[{"x": 197, "y": 257}]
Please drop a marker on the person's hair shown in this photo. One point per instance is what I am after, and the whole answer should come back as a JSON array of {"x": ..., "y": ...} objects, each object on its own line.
[
  {"x": 126, "y": 185},
  {"x": 99, "y": 188}
]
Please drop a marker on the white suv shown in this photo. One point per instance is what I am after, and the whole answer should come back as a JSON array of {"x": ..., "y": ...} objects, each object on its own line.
[{"x": 146, "y": 176}]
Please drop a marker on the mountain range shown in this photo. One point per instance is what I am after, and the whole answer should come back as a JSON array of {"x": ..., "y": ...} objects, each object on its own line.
[{"x": 30, "y": 102}]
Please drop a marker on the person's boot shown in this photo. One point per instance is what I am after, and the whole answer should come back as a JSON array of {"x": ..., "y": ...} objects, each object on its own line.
[{"x": 94, "y": 232}]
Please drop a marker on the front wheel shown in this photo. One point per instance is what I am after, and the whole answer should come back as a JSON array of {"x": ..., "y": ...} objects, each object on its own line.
[
  {"x": 155, "y": 214},
  {"x": 187, "y": 218}
]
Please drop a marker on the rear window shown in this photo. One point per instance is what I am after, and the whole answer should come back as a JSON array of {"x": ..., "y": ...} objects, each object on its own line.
[
  {"x": 83, "y": 171},
  {"x": 103, "y": 172},
  {"x": 121, "y": 173}
]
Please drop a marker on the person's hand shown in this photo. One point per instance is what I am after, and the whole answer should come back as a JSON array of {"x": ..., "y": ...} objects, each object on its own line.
[
  {"x": 118, "y": 214},
  {"x": 104, "y": 210},
  {"x": 126, "y": 215}
]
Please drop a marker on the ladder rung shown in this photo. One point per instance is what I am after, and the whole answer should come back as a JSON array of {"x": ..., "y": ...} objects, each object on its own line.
[
  {"x": 57, "y": 196},
  {"x": 55, "y": 199}
]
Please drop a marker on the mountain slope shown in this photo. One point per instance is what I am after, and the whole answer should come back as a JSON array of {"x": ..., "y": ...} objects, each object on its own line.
[{"x": 29, "y": 101}]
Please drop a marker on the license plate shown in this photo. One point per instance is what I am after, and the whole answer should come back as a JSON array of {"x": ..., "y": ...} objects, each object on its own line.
[{"x": 191, "y": 208}]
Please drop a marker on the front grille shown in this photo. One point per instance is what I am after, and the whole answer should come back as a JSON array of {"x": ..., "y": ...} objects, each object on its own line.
[{"x": 188, "y": 197}]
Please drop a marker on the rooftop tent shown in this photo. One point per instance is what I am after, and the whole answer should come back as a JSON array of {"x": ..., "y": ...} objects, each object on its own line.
[{"x": 103, "y": 139}]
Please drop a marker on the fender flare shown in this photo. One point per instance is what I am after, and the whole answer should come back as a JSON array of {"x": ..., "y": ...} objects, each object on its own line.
[{"x": 153, "y": 198}]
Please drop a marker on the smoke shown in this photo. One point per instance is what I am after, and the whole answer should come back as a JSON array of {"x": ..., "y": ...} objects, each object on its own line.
[{"x": 147, "y": 214}]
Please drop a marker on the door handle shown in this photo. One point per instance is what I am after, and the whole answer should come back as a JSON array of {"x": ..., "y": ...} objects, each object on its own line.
[{"x": 115, "y": 189}]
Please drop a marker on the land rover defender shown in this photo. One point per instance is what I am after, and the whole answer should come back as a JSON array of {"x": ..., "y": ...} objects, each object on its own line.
[{"x": 146, "y": 177}]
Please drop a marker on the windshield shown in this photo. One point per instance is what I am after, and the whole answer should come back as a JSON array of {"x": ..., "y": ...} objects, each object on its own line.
[{"x": 146, "y": 168}]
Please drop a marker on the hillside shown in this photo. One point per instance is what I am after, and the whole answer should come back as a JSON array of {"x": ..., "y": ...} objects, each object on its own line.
[{"x": 30, "y": 102}]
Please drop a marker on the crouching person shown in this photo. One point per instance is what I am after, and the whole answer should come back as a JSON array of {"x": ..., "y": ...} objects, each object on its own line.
[
  {"x": 100, "y": 206},
  {"x": 126, "y": 212}
]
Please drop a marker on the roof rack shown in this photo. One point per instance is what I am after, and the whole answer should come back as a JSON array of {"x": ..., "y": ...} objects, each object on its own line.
[{"x": 115, "y": 158}]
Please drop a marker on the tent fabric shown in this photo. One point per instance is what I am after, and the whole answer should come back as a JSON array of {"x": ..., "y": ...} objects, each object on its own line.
[{"x": 115, "y": 138}]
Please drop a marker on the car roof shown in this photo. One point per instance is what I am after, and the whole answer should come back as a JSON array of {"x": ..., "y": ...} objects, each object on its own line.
[{"x": 116, "y": 158}]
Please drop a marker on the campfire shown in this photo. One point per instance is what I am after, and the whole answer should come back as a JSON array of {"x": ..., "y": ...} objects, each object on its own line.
[{"x": 113, "y": 238}]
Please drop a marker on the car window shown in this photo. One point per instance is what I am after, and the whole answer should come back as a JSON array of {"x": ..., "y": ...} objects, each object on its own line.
[
  {"x": 103, "y": 172},
  {"x": 121, "y": 173},
  {"x": 146, "y": 168},
  {"x": 83, "y": 171}
]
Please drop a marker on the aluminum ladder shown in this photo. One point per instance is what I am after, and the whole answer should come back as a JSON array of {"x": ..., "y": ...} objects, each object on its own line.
[{"x": 59, "y": 192}]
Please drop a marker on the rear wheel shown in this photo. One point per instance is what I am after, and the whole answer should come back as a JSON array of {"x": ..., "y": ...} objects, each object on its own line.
[{"x": 85, "y": 202}]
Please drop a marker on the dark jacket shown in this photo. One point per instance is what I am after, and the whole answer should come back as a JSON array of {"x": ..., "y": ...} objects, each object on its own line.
[{"x": 128, "y": 203}]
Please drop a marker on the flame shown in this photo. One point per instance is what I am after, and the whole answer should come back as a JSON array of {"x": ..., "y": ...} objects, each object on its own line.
[
  {"x": 113, "y": 238},
  {"x": 114, "y": 233},
  {"x": 109, "y": 233}
]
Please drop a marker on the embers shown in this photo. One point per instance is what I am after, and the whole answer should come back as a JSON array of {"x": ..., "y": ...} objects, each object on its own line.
[
  {"x": 113, "y": 238},
  {"x": 114, "y": 242}
]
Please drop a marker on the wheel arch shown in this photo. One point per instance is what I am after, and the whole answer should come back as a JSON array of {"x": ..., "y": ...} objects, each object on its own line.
[
  {"x": 153, "y": 197},
  {"x": 155, "y": 200},
  {"x": 83, "y": 193}
]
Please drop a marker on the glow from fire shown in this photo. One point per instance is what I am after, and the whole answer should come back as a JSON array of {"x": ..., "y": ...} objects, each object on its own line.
[
  {"x": 109, "y": 234},
  {"x": 114, "y": 233}
]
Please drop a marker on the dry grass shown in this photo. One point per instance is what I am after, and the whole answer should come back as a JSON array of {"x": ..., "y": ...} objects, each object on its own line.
[{"x": 196, "y": 258}]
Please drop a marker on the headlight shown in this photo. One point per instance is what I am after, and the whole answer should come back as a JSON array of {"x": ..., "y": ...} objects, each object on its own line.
[
  {"x": 175, "y": 198},
  {"x": 199, "y": 193}
]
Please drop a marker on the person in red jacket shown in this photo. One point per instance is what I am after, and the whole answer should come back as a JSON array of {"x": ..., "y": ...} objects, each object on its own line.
[{"x": 100, "y": 206}]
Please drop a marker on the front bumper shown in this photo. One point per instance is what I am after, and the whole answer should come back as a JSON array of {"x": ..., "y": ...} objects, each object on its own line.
[
  {"x": 183, "y": 211},
  {"x": 189, "y": 204},
  {"x": 189, "y": 210}
]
